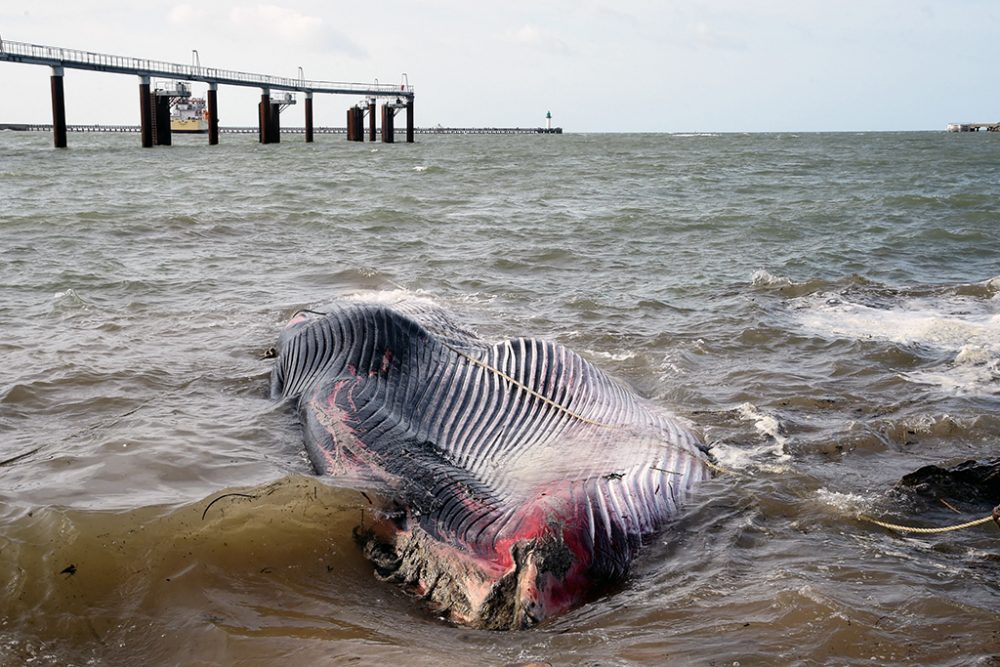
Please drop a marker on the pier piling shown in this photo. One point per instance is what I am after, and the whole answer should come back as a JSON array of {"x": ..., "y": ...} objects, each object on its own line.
[
  {"x": 145, "y": 112},
  {"x": 274, "y": 123},
  {"x": 388, "y": 131},
  {"x": 359, "y": 124},
  {"x": 371, "y": 119},
  {"x": 58, "y": 109},
  {"x": 309, "y": 118},
  {"x": 355, "y": 124},
  {"x": 264, "y": 117},
  {"x": 409, "y": 121},
  {"x": 213, "y": 114},
  {"x": 161, "y": 119}
]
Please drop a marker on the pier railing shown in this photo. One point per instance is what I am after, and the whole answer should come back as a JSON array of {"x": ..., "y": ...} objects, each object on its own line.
[{"x": 62, "y": 57}]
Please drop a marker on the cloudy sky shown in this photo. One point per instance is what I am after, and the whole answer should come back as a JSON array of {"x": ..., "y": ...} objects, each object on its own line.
[{"x": 597, "y": 65}]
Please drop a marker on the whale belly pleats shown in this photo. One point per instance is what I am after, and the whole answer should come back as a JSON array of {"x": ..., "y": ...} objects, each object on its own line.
[{"x": 485, "y": 443}]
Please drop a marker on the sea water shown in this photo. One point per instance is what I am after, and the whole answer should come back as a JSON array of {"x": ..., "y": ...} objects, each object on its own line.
[{"x": 823, "y": 308}]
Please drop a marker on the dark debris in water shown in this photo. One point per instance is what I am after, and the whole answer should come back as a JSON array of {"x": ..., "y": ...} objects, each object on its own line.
[
  {"x": 968, "y": 487},
  {"x": 226, "y": 495},
  {"x": 14, "y": 459},
  {"x": 969, "y": 482}
]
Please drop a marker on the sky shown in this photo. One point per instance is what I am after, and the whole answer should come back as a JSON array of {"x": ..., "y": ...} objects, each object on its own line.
[{"x": 596, "y": 65}]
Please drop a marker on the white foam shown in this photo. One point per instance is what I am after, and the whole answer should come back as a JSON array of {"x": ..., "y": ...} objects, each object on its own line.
[
  {"x": 967, "y": 329},
  {"x": 769, "y": 427},
  {"x": 393, "y": 297},
  {"x": 975, "y": 355},
  {"x": 769, "y": 455},
  {"x": 845, "y": 503},
  {"x": 668, "y": 365},
  {"x": 730, "y": 457},
  {"x": 70, "y": 298},
  {"x": 911, "y": 323},
  {"x": 961, "y": 379},
  {"x": 763, "y": 278},
  {"x": 623, "y": 355}
]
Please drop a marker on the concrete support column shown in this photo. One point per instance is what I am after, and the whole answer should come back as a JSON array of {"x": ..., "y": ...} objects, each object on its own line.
[
  {"x": 264, "y": 116},
  {"x": 145, "y": 112},
  {"x": 58, "y": 109},
  {"x": 213, "y": 114},
  {"x": 371, "y": 120},
  {"x": 409, "y": 121}
]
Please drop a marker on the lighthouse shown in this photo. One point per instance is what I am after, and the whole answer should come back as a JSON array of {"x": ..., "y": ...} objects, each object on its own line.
[{"x": 548, "y": 120}]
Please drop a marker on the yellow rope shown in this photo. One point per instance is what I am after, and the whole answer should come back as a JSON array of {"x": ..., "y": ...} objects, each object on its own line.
[
  {"x": 717, "y": 468},
  {"x": 524, "y": 387},
  {"x": 548, "y": 401},
  {"x": 994, "y": 517},
  {"x": 928, "y": 531}
]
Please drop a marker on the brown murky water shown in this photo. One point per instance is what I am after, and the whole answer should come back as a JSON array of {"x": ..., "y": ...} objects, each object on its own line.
[{"x": 823, "y": 307}]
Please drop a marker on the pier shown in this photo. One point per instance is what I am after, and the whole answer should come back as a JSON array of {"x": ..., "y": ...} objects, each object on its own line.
[
  {"x": 252, "y": 129},
  {"x": 973, "y": 127},
  {"x": 156, "y": 100}
]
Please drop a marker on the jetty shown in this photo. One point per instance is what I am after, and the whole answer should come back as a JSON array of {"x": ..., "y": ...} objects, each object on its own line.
[
  {"x": 247, "y": 129},
  {"x": 973, "y": 127},
  {"x": 156, "y": 100}
]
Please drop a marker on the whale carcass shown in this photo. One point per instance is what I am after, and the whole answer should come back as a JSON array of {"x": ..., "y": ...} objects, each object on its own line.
[{"x": 518, "y": 478}]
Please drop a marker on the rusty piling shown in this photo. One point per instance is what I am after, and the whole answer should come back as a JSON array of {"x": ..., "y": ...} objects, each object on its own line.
[
  {"x": 355, "y": 124},
  {"x": 388, "y": 131}
]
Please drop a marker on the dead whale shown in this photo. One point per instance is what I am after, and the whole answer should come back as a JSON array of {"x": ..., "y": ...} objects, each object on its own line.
[{"x": 517, "y": 477}]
